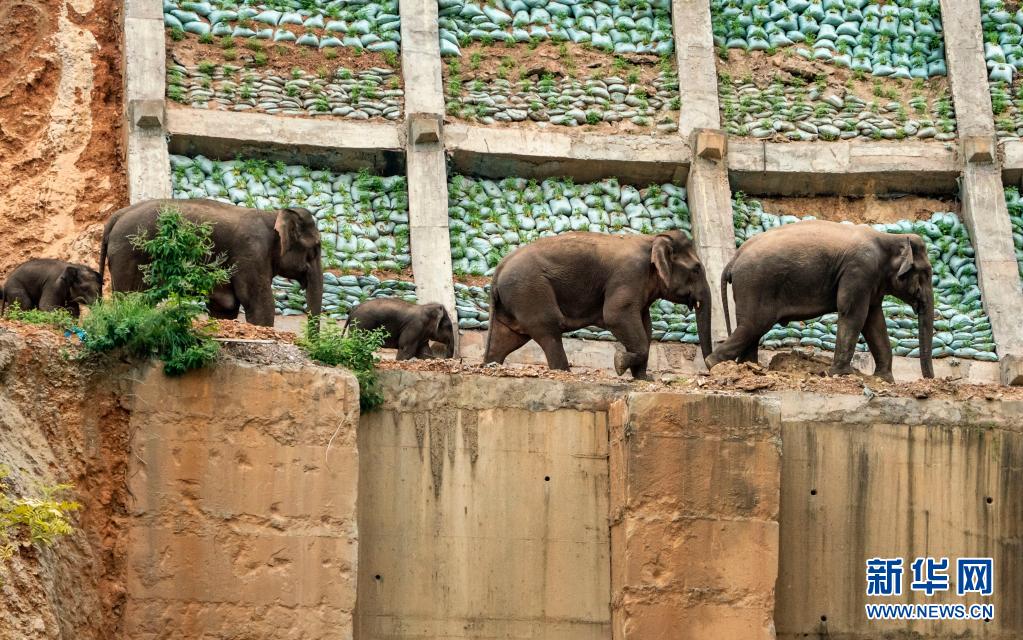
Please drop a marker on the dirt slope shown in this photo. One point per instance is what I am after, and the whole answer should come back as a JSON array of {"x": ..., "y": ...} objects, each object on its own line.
[{"x": 61, "y": 171}]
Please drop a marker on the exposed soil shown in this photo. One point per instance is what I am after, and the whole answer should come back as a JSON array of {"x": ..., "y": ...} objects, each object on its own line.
[
  {"x": 870, "y": 209},
  {"x": 472, "y": 281},
  {"x": 61, "y": 170},
  {"x": 281, "y": 57},
  {"x": 232, "y": 329}
]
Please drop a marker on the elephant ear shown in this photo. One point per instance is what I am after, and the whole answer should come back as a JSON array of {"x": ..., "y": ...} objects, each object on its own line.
[
  {"x": 287, "y": 227},
  {"x": 660, "y": 257},
  {"x": 905, "y": 259}
]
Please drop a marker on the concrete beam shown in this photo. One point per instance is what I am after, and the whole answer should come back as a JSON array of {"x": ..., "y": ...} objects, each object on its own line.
[
  {"x": 710, "y": 207},
  {"x": 1011, "y": 154},
  {"x": 530, "y": 152},
  {"x": 967, "y": 71},
  {"x": 144, "y": 65},
  {"x": 841, "y": 168},
  {"x": 330, "y": 143},
  {"x": 697, "y": 72},
  {"x": 987, "y": 219}
]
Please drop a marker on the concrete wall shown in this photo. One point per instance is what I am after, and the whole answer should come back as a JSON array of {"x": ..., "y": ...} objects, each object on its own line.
[
  {"x": 243, "y": 522},
  {"x": 484, "y": 510}
]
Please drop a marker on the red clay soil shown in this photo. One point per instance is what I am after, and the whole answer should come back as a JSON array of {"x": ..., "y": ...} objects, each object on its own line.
[{"x": 61, "y": 169}]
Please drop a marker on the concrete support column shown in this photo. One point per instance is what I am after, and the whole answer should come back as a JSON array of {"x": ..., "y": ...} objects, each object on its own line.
[
  {"x": 982, "y": 192},
  {"x": 694, "y": 51},
  {"x": 695, "y": 502},
  {"x": 145, "y": 72},
  {"x": 426, "y": 160},
  {"x": 710, "y": 207}
]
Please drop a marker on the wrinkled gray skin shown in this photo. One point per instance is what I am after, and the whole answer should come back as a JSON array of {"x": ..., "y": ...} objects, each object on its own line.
[
  {"x": 807, "y": 269},
  {"x": 258, "y": 244},
  {"x": 47, "y": 284},
  {"x": 573, "y": 280},
  {"x": 410, "y": 327}
]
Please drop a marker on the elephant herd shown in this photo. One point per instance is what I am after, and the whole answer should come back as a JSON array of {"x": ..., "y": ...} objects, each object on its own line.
[{"x": 549, "y": 286}]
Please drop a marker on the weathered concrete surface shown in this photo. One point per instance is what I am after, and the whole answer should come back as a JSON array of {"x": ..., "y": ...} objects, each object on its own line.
[
  {"x": 896, "y": 478},
  {"x": 967, "y": 71},
  {"x": 334, "y": 144},
  {"x": 987, "y": 218},
  {"x": 483, "y": 510},
  {"x": 694, "y": 528},
  {"x": 841, "y": 167},
  {"x": 420, "y": 57},
  {"x": 710, "y": 207},
  {"x": 144, "y": 66},
  {"x": 697, "y": 73},
  {"x": 502, "y": 152},
  {"x": 245, "y": 482},
  {"x": 1011, "y": 153}
]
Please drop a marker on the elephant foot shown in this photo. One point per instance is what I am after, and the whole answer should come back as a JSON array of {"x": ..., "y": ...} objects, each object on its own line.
[
  {"x": 712, "y": 360},
  {"x": 620, "y": 365},
  {"x": 842, "y": 370},
  {"x": 885, "y": 375}
]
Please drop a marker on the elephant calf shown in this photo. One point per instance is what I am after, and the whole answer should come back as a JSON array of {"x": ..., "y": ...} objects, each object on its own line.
[
  {"x": 573, "y": 280},
  {"x": 807, "y": 269},
  {"x": 47, "y": 284},
  {"x": 410, "y": 327}
]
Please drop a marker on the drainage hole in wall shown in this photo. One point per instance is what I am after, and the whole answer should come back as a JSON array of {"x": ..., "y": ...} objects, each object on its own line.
[
  {"x": 824, "y": 618},
  {"x": 377, "y": 577},
  {"x": 546, "y": 478},
  {"x": 813, "y": 492},
  {"x": 989, "y": 499}
]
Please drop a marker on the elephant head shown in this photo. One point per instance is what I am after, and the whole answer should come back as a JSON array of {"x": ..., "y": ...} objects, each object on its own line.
[
  {"x": 299, "y": 257},
  {"x": 909, "y": 278},
  {"x": 440, "y": 328},
  {"x": 679, "y": 277},
  {"x": 84, "y": 285}
]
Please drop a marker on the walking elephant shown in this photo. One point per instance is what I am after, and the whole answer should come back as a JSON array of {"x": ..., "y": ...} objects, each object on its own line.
[
  {"x": 410, "y": 327},
  {"x": 258, "y": 244},
  {"x": 806, "y": 269},
  {"x": 573, "y": 280},
  {"x": 47, "y": 284}
]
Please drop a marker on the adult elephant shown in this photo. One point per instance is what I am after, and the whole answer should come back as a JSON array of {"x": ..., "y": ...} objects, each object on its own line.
[
  {"x": 258, "y": 245},
  {"x": 806, "y": 269},
  {"x": 573, "y": 280}
]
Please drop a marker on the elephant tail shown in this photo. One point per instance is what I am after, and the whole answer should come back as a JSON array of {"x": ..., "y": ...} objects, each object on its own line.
[
  {"x": 495, "y": 302},
  {"x": 726, "y": 277}
]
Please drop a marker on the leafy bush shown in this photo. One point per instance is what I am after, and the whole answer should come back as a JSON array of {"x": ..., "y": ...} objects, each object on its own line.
[
  {"x": 355, "y": 351},
  {"x": 45, "y": 517},
  {"x": 161, "y": 321},
  {"x": 59, "y": 318}
]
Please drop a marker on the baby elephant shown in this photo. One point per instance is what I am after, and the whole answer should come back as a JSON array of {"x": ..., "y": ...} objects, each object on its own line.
[
  {"x": 47, "y": 284},
  {"x": 410, "y": 327}
]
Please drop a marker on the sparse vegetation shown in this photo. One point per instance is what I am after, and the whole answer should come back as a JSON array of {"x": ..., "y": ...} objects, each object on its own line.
[
  {"x": 355, "y": 350},
  {"x": 27, "y": 520}
]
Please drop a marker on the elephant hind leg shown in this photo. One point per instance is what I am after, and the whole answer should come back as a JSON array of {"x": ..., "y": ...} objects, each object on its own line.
[
  {"x": 554, "y": 349},
  {"x": 875, "y": 331},
  {"x": 17, "y": 294},
  {"x": 501, "y": 341},
  {"x": 743, "y": 343}
]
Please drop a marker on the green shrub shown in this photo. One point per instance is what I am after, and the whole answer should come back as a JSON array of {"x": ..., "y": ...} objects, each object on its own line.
[
  {"x": 161, "y": 321},
  {"x": 353, "y": 350},
  {"x": 45, "y": 518},
  {"x": 59, "y": 318}
]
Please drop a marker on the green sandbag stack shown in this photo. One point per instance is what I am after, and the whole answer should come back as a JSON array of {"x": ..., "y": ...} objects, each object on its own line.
[
  {"x": 363, "y": 220},
  {"x": 614, "y": 26},
  {"x": 359, "y": 24},
  {"x": 490, "y": 218},
  {"x": 1015, "y": 205},
  {"x": 1003, "y": 51},
  {"x": 963, "y": 329}
]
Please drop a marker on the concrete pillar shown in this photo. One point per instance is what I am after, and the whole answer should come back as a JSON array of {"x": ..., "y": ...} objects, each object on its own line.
[
  {"x": 982, "y": 191},
  {"x": 694, "y": 51},
  {"x": 710, "y": 206},
  {"x": 695, "y": 502},
  {"x": 145, "y": 73},
  {"x": 426, "y": 168}
]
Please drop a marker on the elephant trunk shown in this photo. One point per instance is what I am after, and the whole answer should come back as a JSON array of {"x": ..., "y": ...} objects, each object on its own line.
[
  {"x": 314, "y": 294},
  {"x": 703, "y": 320},
  {"x": 925, "y": 317}
]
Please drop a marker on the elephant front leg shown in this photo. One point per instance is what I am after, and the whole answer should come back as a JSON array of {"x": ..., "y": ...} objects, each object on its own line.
[
  {"x": 258, "y": 302},
  {"x": 875, "y": 331},
  {"x": 850, "y": 324},
  {"x": 634, "y": 337}
]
